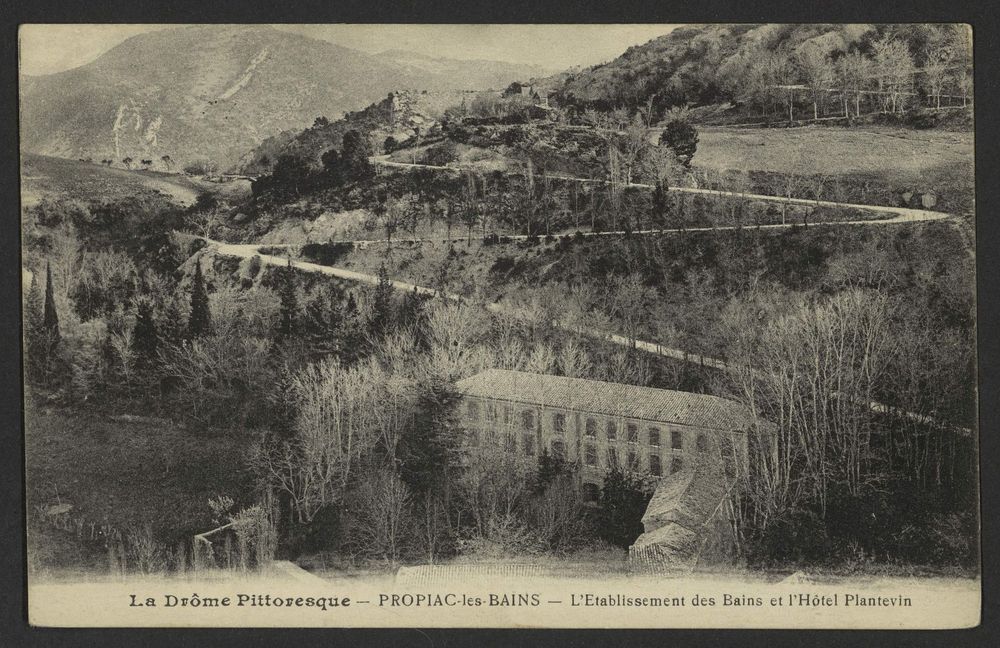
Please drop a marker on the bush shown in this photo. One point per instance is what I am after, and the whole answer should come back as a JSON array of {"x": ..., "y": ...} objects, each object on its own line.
[
  {"x": 923, "y": 118},
  {"x": 200, "y": 167},
  {"x": 326, "y": 253},
  {"x": 441, "y": 154},
  {"x": 943, "y": 540},
  {"x": 502, "y": 265},
  {"x": 620, "y": 509},
  {"x": 798, "y": 537},
  {"x": 106, "y": 280}
]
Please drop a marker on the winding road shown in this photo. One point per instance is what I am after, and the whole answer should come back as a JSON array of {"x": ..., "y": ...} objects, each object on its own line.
[
  {"x": 898, "y": 214},
  {"x": 245, "y": 251}
]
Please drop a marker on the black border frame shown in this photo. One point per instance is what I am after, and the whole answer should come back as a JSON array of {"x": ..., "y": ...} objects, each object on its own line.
[{"x": 13, "y": 610}]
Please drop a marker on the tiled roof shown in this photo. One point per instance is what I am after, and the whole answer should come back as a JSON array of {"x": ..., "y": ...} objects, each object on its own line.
[
  {"x": 610, "y": 399},
  {"x": 688, "y": 497}
]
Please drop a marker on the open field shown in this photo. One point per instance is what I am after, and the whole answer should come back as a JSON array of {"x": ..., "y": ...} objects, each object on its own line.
[
  {"x": 124, "y": 474},
  {"x": 50, "y": 177},
  {"x": 922, "y": 158}
]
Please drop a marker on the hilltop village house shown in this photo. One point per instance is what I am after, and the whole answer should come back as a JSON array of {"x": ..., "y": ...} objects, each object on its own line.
[{"x": 689, "y": 447}]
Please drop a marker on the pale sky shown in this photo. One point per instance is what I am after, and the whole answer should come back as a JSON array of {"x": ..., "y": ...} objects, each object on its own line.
[{"x": 53, "y": 48}]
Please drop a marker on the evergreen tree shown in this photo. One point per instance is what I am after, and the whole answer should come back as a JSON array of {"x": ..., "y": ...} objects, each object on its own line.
[
  {"x": 332, "y": 166},
  {"x": 425, "y": 451},
  {"x": 324, "y": 314},
  {"x": 411, "y": 312},
  {"x": 351, "y": 333},
  {"x": 354, "y": 153},
  {"x": 621, "y": 507},
  {"x": 289, "y": 303},
  {"x": 682, "y": 137},
  {"x": 144, "y": 340},
  {"x": 200, "y": 322},
  {"x": 660, "y": 211},
  {"x": 382, "y": 312},
  {"x": 291, "y": 176},
  {"x": 172, "y": 324},
  {"x": 50, "y": 319},
  {"x": 34, "y": 330},
  {"x": 549, "y": 467}
]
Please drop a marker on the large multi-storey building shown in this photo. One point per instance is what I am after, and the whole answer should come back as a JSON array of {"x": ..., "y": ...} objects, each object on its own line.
[{"x": 601, "y": 425}]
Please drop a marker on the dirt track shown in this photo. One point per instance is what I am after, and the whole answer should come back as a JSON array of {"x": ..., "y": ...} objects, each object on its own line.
[
  {"x": 900, "y": 214},
  {"x": 244, "y": 251}
]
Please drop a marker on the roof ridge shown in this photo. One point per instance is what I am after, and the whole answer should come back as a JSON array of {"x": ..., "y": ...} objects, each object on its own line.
[
  {"x": 607, "y": 398},
  {"x": 596, "y": 380}
]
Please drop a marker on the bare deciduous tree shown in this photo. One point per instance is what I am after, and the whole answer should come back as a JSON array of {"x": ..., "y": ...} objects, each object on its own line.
[
  {"x": 336, "y": 423},
  {"x": 574, "y": 361},
  {"x": 819, "y": 75},
  {"x": 381, "y": 520},
  {"x": 853, "y": 73},
  {"x": 812, "y": 373},
  {"x": 893, "y": 68}
]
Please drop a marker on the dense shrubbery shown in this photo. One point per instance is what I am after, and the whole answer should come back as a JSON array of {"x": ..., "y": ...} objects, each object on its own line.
[
  {"x": 292, "y": 176},
  {"x": 326, "y": 253},
  {"x": 441, "y": 154},
  {"x": 899, "y": 525}
]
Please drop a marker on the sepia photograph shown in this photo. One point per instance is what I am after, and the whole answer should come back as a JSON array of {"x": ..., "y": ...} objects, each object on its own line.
[{"x": 568, "y": 326}]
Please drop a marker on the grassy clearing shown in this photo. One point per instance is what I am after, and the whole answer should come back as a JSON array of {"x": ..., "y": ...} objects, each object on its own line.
[
  {"x": 125, "y": 474},
  {"x": 49, "y": 177},
  {"x": 925, "y": 159}
]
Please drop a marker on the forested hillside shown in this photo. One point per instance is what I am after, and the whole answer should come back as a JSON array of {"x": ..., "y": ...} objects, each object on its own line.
[{"x": 753, "y": 65}]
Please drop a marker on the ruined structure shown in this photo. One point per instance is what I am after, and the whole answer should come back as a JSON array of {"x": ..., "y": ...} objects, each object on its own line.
[{"x": 690, "y": 448}]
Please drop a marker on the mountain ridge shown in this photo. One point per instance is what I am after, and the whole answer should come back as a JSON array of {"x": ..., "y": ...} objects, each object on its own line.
[{"x": 212, "y": 92}]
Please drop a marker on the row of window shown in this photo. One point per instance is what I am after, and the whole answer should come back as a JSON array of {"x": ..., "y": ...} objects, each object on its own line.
[
  {"x": 610, "y": 428},
  {"x": 590, "y": 454},
  {"x": 613, "y": 461},
  {"x": 527, "y": 445}
]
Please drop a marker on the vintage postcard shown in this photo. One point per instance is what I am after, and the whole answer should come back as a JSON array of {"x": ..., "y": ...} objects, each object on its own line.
[{"x": 571, "y": 326}]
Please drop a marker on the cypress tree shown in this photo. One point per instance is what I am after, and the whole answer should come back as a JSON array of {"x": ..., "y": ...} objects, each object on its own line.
[
  {"x": 34, "y": 331},
  {"x": 50, "y": 319},
  {"x": 322, "y": 321},
  {"x": 172, "y": 326},
  {"x": 351, "y": 332},
  {"x": 661, "y": 205},
  {"x": 549, "y": 467},
  {"x": 144, "y": 337},
  {"x": 425, "y": 452},
  {"x": 200, "y": 322},
  {"x": 411, "y": 311},
  {"x": 382, "y": 311},
  {"x": 289, "y": 302},
  {"x": 622, "y": 504}
]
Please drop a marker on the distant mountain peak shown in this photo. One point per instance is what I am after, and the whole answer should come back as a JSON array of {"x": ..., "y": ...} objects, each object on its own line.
[{"x": 216, "y": 91}]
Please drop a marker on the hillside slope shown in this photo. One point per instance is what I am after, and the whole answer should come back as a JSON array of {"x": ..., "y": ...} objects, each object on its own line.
[
  {"x": 401, "y": 115},
  {"x": 55, "y": 178},
  {"x": 701, "y": 64},
  {"x": 212, "y": 92}
]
